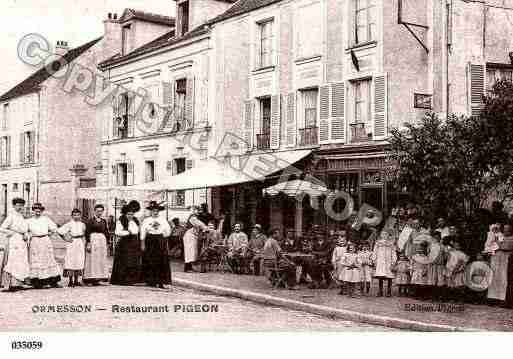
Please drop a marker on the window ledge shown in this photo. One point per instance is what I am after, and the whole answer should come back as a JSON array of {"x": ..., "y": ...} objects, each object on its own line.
[
  {"x": 263, "y": 70},
  {"x": 305, "y": 60},
  {"x": 362, "y": 46}
]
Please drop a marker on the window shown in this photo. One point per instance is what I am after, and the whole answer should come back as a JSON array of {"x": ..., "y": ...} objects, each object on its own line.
[
  {"x": 5, "y": 116},
  {"x": 125, "y": 38},
  {"x": 265, "y": 51},
  {"x": 183, "y": 13},
  {"x": 5, "y": 151},
  {"x": 150, "y": 171},
  {"x": 124, "y": 110},
  {"x": 27, "y": 147},
  {"x": 122, "y": 172},
  {"x": 15, "y": 187},
  {"x": 264, "y": 138},
  {"x": 180, "y": 95},
  {"x": 309, "y": 30},
  {"x": 493, "y": 75},
  {"x": 179, "y": 167},
  {"x": 362, "y": 122},
  {"x": 310, "y": 107},
  {"x": 365, "y": 21}
]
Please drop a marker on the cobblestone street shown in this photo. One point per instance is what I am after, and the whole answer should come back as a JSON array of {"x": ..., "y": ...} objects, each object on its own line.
[{"x": 17, "y": 312}]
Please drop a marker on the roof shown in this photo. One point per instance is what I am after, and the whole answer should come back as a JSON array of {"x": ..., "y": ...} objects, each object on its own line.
[
  {"x": 239, "y": 7},
  {"x": 130, "y": 14},
  {"x": 33, "y": 82}
]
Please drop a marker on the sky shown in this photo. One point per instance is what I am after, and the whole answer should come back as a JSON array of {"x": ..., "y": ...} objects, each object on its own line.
[{"x": 74, "y": 21}]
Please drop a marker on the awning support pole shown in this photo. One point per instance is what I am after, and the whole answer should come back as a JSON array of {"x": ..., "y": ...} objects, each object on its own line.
[{"x": 167, "y": 206}]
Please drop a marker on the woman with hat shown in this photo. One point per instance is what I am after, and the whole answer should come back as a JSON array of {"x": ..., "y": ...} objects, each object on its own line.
[
  {"x": 15, "y": 269},
  {"x": 154, "y": 233},
  {"x": 126, "y": 267},
  {"x": 97, "y": 232},
  {"x": 191, "y": 239},
  {"x": 74, "y": 234},
  {"x": 44, "y": 270}
]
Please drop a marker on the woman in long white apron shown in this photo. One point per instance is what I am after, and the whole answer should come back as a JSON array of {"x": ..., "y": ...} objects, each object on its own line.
[
  {"x": 97, "y": 232},
  {"x": 15, "y": 269},
  {"x": 191, "y": 238},
  {"x": 74, "y": 260}
]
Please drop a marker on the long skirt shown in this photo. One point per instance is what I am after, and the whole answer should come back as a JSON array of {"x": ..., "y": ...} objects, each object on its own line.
[
  {"x": 74, "y": 259},
  {"x": 499, "y": 266},
  {"x": 156, "y": 260},
  {"x": 509, "y": 289},
  {"x": 15, "y": 264},
  {"x": 352, "y": 275},
  {"x": 43, "y": 266},
  {"x": 95, "y": 269},
  {"x": 436, "y": 275},
  {"x": 190, "y": 246},
  {"x": 126, "y": 269}
]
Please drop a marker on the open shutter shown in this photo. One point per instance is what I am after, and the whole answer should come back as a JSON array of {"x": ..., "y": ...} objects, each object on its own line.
[
  {"x": 189, "y": 103},
  {"x": 189, "y": 164},
  {"x": 275, "y": 122},
  {"x": 248, "y": 125},
  {"x": 477, "y": 75},
  {"x": 130, "y": 173},
  {"x": 131, "y": 114},
  {"x": 169, "y": 166},
  {"x": 115, "y": 115},
  {"x": 8, "y": 151},
  {"x": 115, "y": 175},
  {"x": 380, "y": 127},
  {"x": 338, "y": 124},
  {"x": 291, "y": 124},
  {"x": 22, "y": 147},
  {"x": 32, "y": 149},
  {"x": 324, "y": 116}
]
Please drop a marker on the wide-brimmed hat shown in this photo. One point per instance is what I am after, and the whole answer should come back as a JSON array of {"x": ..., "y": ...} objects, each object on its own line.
[
  {"x": 17, "y": 200},
  {"x": 39, "y": 206},
  {"x": 134, "y": 206},
  {"x": 127, "y": 208},
  {"x": 155, "y": 205}
]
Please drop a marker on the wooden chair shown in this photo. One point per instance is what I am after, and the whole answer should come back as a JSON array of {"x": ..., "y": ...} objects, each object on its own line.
[{"x": 276, "y": 275}]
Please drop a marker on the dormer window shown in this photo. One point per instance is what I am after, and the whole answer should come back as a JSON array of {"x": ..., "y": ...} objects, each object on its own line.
[
  {"x": 183, "y": 13},
  {"x": 125, "y": 37}
]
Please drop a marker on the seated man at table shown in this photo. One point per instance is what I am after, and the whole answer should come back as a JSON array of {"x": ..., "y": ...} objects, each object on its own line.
[
  {"x": 237, "y": 248},
  {"x": 289, "y": 243},
  {"x": 319, "y": 268},
  {"x": 256, "y": 247},
  {"x": 273, "y": 258},
  {"x": 210, "y": 250}
]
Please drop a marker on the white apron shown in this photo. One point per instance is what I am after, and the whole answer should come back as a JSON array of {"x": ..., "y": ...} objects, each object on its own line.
[
  {"x": 75, "y": 255},
  {"x": 190, "y": 246},
  {"x": 96, "y": 260},
  {"x": 17, "y": 258},
  {"x": 42, "y": 259}
]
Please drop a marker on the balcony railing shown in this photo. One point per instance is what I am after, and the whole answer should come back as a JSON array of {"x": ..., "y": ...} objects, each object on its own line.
[
  {"x": 263, "y": 141},
  {"x": 358, "y": 132},
  {"x": 309, "y": 136}
]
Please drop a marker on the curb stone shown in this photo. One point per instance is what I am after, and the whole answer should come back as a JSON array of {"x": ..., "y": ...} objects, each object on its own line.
[{"x": 325, "y": 311}]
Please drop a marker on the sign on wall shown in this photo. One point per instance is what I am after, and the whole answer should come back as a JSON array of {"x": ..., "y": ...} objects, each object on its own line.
[{"x": 422, "y": 101}]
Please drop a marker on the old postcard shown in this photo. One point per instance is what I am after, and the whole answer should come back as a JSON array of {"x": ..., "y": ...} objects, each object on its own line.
[{"x": 256, "y": 165}]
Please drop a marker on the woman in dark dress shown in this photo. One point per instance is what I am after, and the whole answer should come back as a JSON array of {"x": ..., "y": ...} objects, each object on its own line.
[
  {"x": 126, "y": 269},
  {"x": 97, "y": 232},
  {"x": 155, "y": 231}
]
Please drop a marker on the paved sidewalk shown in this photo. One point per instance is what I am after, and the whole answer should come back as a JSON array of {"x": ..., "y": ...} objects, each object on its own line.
[{"x": 392, "y": 312}]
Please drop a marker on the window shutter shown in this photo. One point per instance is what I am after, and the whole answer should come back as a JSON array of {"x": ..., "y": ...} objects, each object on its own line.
[
  {"x": 169, "y": 166},
  {"x": 115, "y": 176},
  {"x": 477, "y": 88},
  {"x": 380, "y": 107},
  {"x": 291, "y": 130},
  {"x": 275, "y": 122},
  {"x": 8, "y": 151},
  {"x": 248, "y": 125},
  {"x": 131, "y": 114},
  {"x": 22, "y": 147},
  {"x": 189, "y": 164},
  {"x": 130, "y": 173},
  {"x": 115, "y": 115},
  {"x": 338, "y": 124},
  {"x": 189, "y": 103},
  {"x": 324, "y": 120},
  {"x": 32, "y": 146}
]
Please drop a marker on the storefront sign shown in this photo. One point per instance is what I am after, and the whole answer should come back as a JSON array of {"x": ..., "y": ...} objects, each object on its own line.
[{"x": 422, "y": 101}]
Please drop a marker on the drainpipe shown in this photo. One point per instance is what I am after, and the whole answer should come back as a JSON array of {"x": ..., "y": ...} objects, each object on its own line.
[{"x": 448, "y": 43}]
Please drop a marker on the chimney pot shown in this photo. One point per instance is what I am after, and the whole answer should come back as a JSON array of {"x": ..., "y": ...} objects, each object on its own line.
[
  {"x": 115, "y": 16},
  {"x": 110, "y": 16}
]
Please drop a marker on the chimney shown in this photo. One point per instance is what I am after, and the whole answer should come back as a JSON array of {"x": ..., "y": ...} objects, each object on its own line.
[
  {"x": 111, "y": 36},
  {"x": 61, "y": 48}
]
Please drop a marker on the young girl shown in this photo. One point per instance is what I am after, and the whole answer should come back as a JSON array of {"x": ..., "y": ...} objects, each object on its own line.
[
  {"x": 384, "y": 256},
  {"x": 402, "y": 275},
  {"x": 456, "y": 263},
  {"x": 352, "y": 270},
  {"x": 74, "y": 234},
  {"x": 419, "y": 271},
  {"x": 336, "y": 260},
  {"x": 494, "y": 238},
  {"x": 365, "y": 259}
]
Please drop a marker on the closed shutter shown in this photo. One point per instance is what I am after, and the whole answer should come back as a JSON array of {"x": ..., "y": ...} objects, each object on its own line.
[
  {"x": 380, "y": 128},
  {"x": 189, "y": 103},
  {"x": 189, "y": 164},
  {"x": 169, "y": 166},
  {"x": 167, "y": 102},
  {"x": 130, "y": 173},
  {"x": 338, "y": 124},
  {"x": 22, "y": 147},
  {"x": 248, "y": 125},
  {"x": 115, "y": 175},
  {"x": 8, "y": 150},
  {"x": 324, "y": 109},
  {"x": 275, "y": 122},
  {"x": 291, "y": 125},
  {"x": 477, "y": 88},
  {"x": 32, "y": 149},
  {"x": 131, "y": 114}
]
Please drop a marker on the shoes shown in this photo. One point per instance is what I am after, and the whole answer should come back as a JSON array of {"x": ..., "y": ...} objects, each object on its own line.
[{"x": 295, "y": 287}]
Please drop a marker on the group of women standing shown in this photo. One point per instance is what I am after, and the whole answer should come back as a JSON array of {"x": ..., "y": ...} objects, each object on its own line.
[{"x": 141, "y": 252}]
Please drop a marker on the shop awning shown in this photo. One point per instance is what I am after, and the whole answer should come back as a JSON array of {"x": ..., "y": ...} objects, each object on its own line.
[
  {"x": 297, "y": 188},
  {"x": 212, "y": 172}
]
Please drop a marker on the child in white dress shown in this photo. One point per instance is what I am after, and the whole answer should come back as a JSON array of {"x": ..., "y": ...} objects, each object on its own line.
[
  {"x": 73, "y": 233},
  {"x": 352, "y": 270},
  {"x": 336, "y": 259},
  {"x": 365, "y": 259}
]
